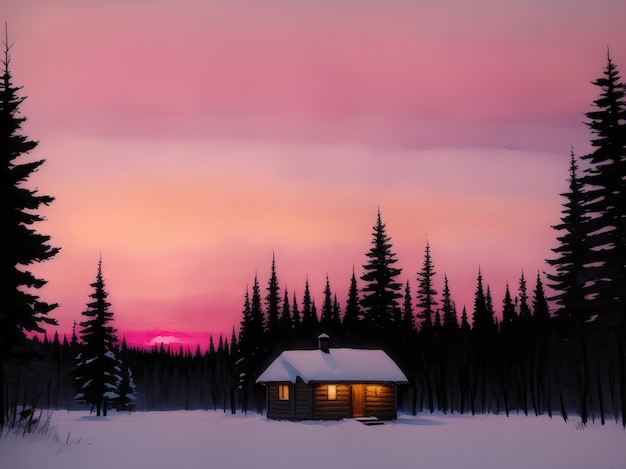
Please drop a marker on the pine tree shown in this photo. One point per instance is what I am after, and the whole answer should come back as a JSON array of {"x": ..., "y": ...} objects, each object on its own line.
[
  {"x": 272, "y": 300},
  {"x": 509, "y": 315},
  {"x": 491, "y": 314},
  {"x": 465, "y": 325},
  {"x": 327, "y": 308},
  {"x": 482, "y": 321},
  {"x": 336, "y": 316},
  {"x": 245, "y": 321},
  {"x": 408, "y": 319},
  {"x": 127, "y": 391},
  {"x": 426, "y": 292},
  {"x": 524, "y": 309},
  {"x": 22, "y": 311},
  {"x": 450, "y": 321},
  {"x": 309, "y": 318},
  {"x": 97, "y": 373},
  {"x": 352, "y": 315},
  {"x": 541, "y": 312},
  {"x": 604, "y": 198},
  {"x": 568, "y": 279},
  {"x": 285, "y": 321},
  {"x": 380, "y": 293},
  {"x": 251, "y": 331},
  {"x": 295, "y": 312}
]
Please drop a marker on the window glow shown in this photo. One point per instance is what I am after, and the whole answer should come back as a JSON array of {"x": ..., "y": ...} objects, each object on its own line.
[
  {"x": 283, "y": 392},
  {"x": 332, "y": 392}
]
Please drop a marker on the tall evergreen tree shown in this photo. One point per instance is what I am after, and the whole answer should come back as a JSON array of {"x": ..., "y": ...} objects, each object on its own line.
[
  {"x": 126, "y": 389},
  {"x": 541, "y": 311},
  {"x": 524, "y": 309},
  {"x": 286, "y": 321},
  {"x": 450, "y": 321},
  {"x": 295, "y": 312},
  {"x": 22, "y": 311},
  {"x": 604, "y": 198},
  {"x": 352, "y": 315},
  {"x": 380, "y": 293},
  {"x": 245, "y": 320},
  {"x": 426, "y": 292},
  {"x": 309, "y": 314},
  {"x": 482, "y": 320},
  {"x": 327, "y": 307},
  {"x": 97, "y": 373},
  {"x": 509, "y": 315},
  {"x": 568, "y": 279},
  {"x": 465, "y": 325},
  {"x": 336, "y": 316},
  {"x": 408, "y": 318},
  {"x": 251, "y": 331},
  {"x": 272, "y": 300}
]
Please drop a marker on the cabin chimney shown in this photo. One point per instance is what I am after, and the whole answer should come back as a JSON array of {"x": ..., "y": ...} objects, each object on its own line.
[{"x": 324, "y": 343}]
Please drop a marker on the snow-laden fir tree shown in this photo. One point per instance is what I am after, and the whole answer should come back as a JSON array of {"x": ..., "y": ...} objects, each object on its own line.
[
  {"x": 126, "y": 389},
  {"x": 98, "y": 372}
]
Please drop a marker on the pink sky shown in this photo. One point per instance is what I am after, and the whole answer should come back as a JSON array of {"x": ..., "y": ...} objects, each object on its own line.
[{"x": 186, "y": 141}]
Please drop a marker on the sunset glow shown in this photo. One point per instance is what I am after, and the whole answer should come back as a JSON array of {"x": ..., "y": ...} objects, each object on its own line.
[{"x": 187, "y": 142}]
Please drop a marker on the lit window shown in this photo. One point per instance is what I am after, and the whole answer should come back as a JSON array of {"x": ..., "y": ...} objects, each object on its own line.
[
  {"x": 283, "y": 392},
  {"x": 332, "y": 392}
]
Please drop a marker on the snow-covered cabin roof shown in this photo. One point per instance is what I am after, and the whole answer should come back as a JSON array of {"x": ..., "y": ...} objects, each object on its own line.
[{"x": 340, "y": 364}]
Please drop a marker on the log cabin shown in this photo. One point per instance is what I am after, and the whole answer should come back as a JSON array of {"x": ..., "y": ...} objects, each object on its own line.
[{"x": 331, "y": 384}]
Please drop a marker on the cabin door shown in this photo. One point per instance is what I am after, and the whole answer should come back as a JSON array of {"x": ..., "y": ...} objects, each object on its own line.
[{"x": 358, "y": 400}]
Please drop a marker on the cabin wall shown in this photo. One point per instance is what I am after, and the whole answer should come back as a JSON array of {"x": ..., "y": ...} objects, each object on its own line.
[
  {"x": 303, "y": 401},
  {"x": 277, "y": 409},
  {"x": 311, "y": 402},
  {"x": 339, "y": 408},
  {"x": 380, "y": 401},
  {"x": 299, "y": 405}
]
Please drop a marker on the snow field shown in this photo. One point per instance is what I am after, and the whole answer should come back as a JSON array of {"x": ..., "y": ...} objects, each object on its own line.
[{"x": 199, "y": 439}]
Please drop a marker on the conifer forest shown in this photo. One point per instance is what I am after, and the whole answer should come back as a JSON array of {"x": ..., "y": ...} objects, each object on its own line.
[{"x": 557, "y": 348}]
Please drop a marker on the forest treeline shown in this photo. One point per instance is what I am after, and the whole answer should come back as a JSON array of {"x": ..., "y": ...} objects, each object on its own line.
[{"x": 518, "y": 356}]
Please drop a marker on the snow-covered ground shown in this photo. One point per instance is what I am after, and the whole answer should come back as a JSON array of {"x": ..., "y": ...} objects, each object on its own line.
[{"x": 198, "y": 439}]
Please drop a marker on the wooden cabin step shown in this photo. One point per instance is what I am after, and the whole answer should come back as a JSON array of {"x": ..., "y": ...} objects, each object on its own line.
[{"x": 370, "y": 421}]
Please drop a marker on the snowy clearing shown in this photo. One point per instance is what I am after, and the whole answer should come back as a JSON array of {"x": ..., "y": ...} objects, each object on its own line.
[{"x": 199, "y": 439}]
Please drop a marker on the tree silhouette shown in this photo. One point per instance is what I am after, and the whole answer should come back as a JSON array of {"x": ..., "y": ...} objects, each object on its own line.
[
  {"x": 426, "y": 293},
  {"x": 482, "y": 318},
  {"x": 285, "y": 321},
  {"x": 21, "y": 309},
  {"x": 352, "y": 316},
  {"x": 568, "y": 279},
  {"x": 326, "y": 321},
  {"x": 309, "y": 316},
  {"x": 272, "y": 300},
  {"x": 450, "y": 321},
  {"x": 380, "y": 293},
  {"x": 97, "y": 374},
  {"x": 509, "y": 315},
  {"x": 408, "y": 319},
  {"x": 524, "y": 309},
  {"x": 604, "y": 198},
  {"x": 541, "y": 312}
]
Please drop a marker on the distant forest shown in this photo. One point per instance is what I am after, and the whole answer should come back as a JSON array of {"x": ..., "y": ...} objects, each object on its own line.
[{"x": 519, "y": 356}]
